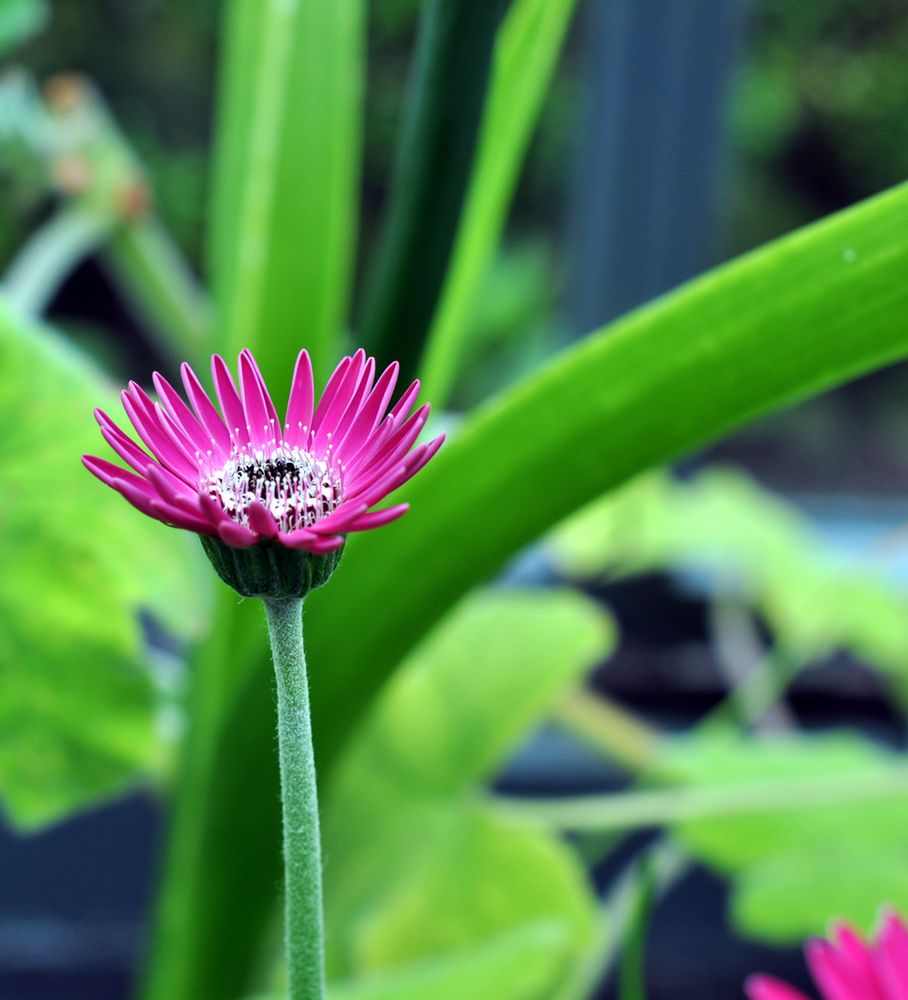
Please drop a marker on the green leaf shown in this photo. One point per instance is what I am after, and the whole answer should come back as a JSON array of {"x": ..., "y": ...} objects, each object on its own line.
[
  {"x": 526, "y": 55},
  {"x": 451, "y": 69},
  {"x": 19, "y": 20},
  {"x": 419, "y": 865},
  {"x": 77, "y": 699},
  {"x": 794, "y": 869},
  {"x": 761, "y": 547},
  {"x": 778, "y": 325},
  {"x": 512, "y": 966},
  {"x": 286, "y": 178},
  {"x": 479, "y": 683},
  {"x": 783, "y": 900},
  {"x": 447, "y": 876}
]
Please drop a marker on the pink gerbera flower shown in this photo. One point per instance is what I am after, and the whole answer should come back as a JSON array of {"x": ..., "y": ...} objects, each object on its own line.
[
  {"x": 242, "y": 476},
  {"x": 847, "y": 968}
]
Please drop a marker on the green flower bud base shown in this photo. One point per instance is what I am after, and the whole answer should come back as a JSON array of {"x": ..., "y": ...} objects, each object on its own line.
[{"x": 270, "y": 570}]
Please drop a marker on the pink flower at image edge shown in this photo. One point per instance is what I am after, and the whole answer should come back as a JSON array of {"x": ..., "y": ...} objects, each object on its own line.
[
  {"x": 848, "y": 968},
  {"x": 244, "y": 477}
]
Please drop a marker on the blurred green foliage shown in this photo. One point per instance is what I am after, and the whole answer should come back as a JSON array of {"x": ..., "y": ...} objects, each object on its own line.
[
  {"x": 433, "y": 887},
  {"x": 793, "y": 871},
  {"x": 81, "y": 707},
  {"x": 818, "y": 112}
]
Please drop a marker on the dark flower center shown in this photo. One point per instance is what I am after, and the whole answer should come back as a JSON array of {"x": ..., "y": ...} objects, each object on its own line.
[{"x": 298, "y": 488}]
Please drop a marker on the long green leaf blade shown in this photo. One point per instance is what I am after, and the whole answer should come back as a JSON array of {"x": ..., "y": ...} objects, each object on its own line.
[
  {"x": 451, "y": 71},
  {"x": 286, "y": 177},
  {"x": 781, "y": 324},
  {"x": 526, "y": 54}
]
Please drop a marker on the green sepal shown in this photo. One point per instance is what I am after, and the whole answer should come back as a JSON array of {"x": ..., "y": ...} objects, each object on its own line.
[{"x": 269, "y": 569}]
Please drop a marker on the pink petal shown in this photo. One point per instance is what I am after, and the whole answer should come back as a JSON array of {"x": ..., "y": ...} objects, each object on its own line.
[
  {"x": 401, "y": 409},
  {"x": 768, "y": 988},
  {"x": 121, "y": 443},
  {"x": 396, "y": 477},
  {"x": 212, "y": 510},
  {"x": 182, "y": 416},
  {"x": 238, "y": 536},
  {"x": 261, "y": 419},
  {"x": 261, "y": 521},
  {"x": 302, "y": 398},
  {"x": 330, "y": 407},
  {"x": 379, "y": 518},
  {"x": 365, "y": 469},
  {"x": 207, "y": 412},
  {"x": 351, "y": 411},
  {"x": 827, "y": 973},
  {"x": 339, "y": 519},
  {"x": 229, "y": 398},
  {"x": 130, "y": 486},
  {"x": 891, "y": 957},
  {"x": 178, "y": 518},
  {"x": 337, "y": 377},
  {"x": 855, "y": 963},
  {"x": 369, "y": 415},
  {"x": 304, "y": 539},
  {"x": 155, "y": 438},
  {"x": 174, "y": 490}
]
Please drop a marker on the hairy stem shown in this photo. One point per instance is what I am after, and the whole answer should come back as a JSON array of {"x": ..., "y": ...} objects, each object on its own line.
[{"x": 304, "y": 922}]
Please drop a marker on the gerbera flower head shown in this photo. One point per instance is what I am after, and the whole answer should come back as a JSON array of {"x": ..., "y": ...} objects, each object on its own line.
[
  {"x": 272, "y": 501},
  {"x": 848, "y": 968}
]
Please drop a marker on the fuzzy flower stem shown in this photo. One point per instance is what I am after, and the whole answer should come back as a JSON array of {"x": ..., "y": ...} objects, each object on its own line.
[{"x": 304, "y": 922}]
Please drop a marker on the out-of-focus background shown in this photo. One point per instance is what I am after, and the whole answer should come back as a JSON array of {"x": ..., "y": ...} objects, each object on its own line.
[{"x": 676, "y": 135}]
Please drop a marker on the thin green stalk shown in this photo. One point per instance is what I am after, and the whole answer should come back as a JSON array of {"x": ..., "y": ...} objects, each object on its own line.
[
  {"x": 667, "y": 865},
  {"x": 152, "y": 273},
  {"x": 304, "y": 919},
  {"x": 51, "y": 255},
  {"x": 605, "y": 726},
  {"x": 628, "y": 810}
]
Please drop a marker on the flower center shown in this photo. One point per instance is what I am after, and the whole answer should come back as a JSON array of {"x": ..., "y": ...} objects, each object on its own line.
[{"x": 298, "y": 488}]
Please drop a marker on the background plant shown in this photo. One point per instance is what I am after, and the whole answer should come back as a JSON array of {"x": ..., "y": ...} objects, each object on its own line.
[{"x": 418, "y": 709}]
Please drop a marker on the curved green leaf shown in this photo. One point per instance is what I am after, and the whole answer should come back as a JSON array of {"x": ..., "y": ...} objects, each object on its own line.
[{"x": 781, "y": 324}]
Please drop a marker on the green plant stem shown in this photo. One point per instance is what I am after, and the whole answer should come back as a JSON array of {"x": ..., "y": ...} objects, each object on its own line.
[
  {"x": 628, "y": 810},
  {"x": 304, "y": 920},
  {"x": 51, "y": 255},
  {"x": 606, "y": 726},
  {"x": 667, "y": 866}
]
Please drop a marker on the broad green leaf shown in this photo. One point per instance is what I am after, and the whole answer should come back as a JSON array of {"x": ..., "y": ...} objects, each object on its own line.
[
  {"x": 286, "y": 178},
  {"x": 419, "y": 864},
  {"x": 513, "y": 966},
  {"x": 786, "y": 899},
  {"x": 77, "y": 697},
  {"x": 779, "y": 325},
  {"x": 723, "y": 523},
  {"x": 19, "y": 20},
  {"x": 448, "y": 876},
  {"x": 820, "y": 861},
  {"x": 526, "y": 55},
  {"x": 480, "y": 682},
  {"x": 783, "y": 323}
]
